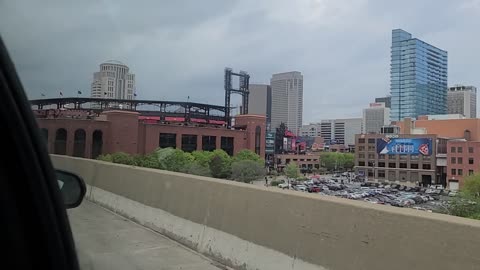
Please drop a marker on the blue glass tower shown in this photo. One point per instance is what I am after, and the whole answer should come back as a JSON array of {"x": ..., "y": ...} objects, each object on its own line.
[{"x": 418, "y": 77}]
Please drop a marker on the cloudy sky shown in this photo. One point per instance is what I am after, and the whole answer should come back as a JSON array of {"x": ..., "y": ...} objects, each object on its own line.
[{"x": 180, "y": 48}]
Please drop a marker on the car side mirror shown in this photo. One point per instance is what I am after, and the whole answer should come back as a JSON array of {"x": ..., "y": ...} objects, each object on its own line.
[{"x": 72, "y": 188}]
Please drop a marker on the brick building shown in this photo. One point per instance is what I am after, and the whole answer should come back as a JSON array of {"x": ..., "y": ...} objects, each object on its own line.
[
  {"x": 75, "y": 134},
  {"x": 463, "y": 152},
  {"x": 463, "y": 160},
  {"x": 308, "y": 161},
  {"x": 402, "y": 168}
]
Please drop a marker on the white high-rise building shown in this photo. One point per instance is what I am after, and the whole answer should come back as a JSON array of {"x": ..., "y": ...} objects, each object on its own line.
[
  {"x": 335, "y": 131},
  {"x": 375, "y": 117},
  {"x": 462, "y": 100},
  {"x": 113, "y": 81},
  {"x": 287, "y": 100}
]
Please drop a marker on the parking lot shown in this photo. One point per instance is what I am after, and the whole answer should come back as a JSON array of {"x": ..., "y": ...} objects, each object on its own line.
[{"x": 432, "y": 199}]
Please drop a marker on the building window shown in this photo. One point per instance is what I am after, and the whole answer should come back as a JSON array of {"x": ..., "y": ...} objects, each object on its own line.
[
  {"x": 60, "y": 146},
  {"x": 381, "y": 174},
  {"x": 371, "y": 140},
  {"x": 79, "y": 143},
  {"x": 427, "y": 167},
  {"x": 370, "y": 173},
  {"x": 453, "y": 160},
  {"x": 391, "y": 156},
  {"x": 413, "y": 166},
  {"x": 391, "y": 165},
  {"x": 361, "y": 140},
  {"x": 381, "y": 164},
  {"x": 470, "y": 161},
  {"x": 361, "y": 148},
  {"x": 403, "y": 165},
  {"x": 361, "y": 155},
  {"x": 97, "y": 143},
  {"x": 167, "y": 140},
  {"x": 403, "y": 157},
  {"x": 371, "y": 156},
  {"x": 189, "y": 143},
  {"x": 460, "y": 160},
  {"x": 460, "y": 171},
  {"x": 459, "y": 149},
  {"x": 226, "y": 144},
  {"x": 452, "y": 149},
  {"x": 470, "y": 172},
  {"x": 413, "y": 157},
  {"x": 361, "y": 163},
  {"x": 371, "y": 148},
  {"x": 381, "y": 156},
  {"x": 470, "y": 150},
  {"x": 209, "y": 143},
  {"x": 454, "y": 172},
  {"x": 258, "y": 136}
]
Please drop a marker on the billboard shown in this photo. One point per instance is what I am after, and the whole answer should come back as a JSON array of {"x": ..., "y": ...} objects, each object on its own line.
[
  {"x": 270, "y": 142},
  {"x": 404, "y": 146}
]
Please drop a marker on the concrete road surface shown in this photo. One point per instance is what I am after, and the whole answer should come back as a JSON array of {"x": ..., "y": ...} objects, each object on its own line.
[{"x": 105, "y": 240}]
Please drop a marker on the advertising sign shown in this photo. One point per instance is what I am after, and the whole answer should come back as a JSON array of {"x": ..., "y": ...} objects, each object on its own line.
[
  {"x": 270, "y": 142},
  {"x": 404, "y": 146}
]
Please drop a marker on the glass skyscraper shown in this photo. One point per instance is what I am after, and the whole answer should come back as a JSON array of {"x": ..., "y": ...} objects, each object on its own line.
[{"x": 418, "y": 77}]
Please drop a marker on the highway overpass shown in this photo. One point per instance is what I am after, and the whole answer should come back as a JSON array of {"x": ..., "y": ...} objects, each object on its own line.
[{"x": 251, "y": 227}]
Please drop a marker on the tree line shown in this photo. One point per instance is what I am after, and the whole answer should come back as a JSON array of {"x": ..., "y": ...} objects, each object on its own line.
[{"x": 245, "y": 166}]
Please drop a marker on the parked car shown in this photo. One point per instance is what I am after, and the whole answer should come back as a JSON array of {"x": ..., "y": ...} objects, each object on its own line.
[
  {"x": 283, "y": 185},
  {"x": 313, "y": 189},
  {"x": 300, "y": 187}
]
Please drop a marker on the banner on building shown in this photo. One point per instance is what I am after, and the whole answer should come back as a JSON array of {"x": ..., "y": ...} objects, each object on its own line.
[{"x": 404, "y": 146}]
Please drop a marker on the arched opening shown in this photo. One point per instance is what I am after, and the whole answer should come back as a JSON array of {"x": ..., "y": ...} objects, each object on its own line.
[
  {"x": 44, "y": 133},
  {"x": 97, "y": 143},
  {"x": 258, "y": 136},
  {"x": 60, "y": 146},
  {"x": 467, "y": 135},
  {"x": 79, "y": 143}
]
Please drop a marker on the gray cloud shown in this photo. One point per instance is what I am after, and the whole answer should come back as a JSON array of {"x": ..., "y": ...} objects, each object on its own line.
[{"x": 179, "y": 48}]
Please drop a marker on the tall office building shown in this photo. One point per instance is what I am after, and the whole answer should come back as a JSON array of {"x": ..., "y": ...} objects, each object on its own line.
[
  {"x": 387, "y": 100},
  {"x": 462, "y": 100},
  {"x": 335, "y": 131},
  {"x": 260, "y": 100},
  {"x": 113, "y": 81},
  {"x": 375, "y": 117},
  {"x": 287, "y": 100},
  {"x": 418, "y": 77}
]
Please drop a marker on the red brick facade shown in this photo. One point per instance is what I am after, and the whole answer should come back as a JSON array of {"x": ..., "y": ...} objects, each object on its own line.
[{"x": 122, "y": 131}]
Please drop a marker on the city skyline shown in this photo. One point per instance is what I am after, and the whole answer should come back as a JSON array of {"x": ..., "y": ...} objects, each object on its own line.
[{"x": 186, "y": 56}]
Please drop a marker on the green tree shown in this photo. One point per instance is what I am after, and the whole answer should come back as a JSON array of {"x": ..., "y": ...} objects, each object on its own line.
[
  {"x": 122, "y": 158},
  {"x": 327, "y": 160},
  {"x": 467, "y": 202},
  {"x": 349, "y": 161},
  {"x": 147, "y": 161},
  {"x": 196, "y": 169},
  {"x": 106, "y": 157},
  {"x": 247, "y": 170},
  {"x": 202, "y": 158},
  {"x": 292, "y": 171},
  {"x": 220, "y": 164},
  {"x": 471, "y": 186},
  {"x": 173, "y": 159},
  {"x": 248, "y": 155}
]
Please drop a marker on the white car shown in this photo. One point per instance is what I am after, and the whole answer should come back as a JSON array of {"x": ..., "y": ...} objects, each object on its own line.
[
  {"x": 283, "y": 185},
  {"x": 301, "y": 187}
]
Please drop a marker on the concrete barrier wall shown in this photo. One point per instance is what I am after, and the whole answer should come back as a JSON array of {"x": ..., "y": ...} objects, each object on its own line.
[{"x": 250, "y": 227}]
